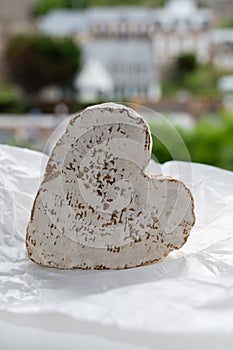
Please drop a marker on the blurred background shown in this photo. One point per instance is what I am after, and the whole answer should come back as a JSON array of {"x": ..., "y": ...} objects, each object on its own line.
[{"x": 172, "y": 56}]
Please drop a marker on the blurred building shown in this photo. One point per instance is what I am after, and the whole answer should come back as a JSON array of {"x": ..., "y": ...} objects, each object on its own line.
[
  {"x": 118, "y": 69},
  {"x": 222, "y": 48},
  {"x": 121, "y": 22},
  {"x": 94, "y": 82},
  {"x": 222, "y": 9},
  {"x": 178, "y": 27},
  {"x": 66, "y": 23},
  {"x": 225, "y": 85},
  {"x": 182, "y": 27},
  {"x": 99, "y": 22},
  {"x": 124, "y": 47}
]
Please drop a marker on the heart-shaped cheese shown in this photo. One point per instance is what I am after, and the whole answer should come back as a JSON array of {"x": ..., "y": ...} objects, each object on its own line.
[{"x": 96, "y": 207}]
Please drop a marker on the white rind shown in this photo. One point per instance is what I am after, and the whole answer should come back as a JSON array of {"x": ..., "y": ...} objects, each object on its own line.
[{"x": 96, "y": 207}]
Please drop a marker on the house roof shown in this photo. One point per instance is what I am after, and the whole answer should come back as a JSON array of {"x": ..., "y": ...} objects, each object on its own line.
[
  {"x": 120, "y": 13},
  {"x": 94, "y": 76},
  {"x": 68, "y": 22},
  {"x": 64, "y": 22}
]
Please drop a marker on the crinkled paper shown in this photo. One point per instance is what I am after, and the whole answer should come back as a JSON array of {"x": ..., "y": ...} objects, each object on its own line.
[{"x": 189, "y": 292}]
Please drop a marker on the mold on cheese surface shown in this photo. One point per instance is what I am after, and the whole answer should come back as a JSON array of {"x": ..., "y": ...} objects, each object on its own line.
[{"x": 97, "y": 207}]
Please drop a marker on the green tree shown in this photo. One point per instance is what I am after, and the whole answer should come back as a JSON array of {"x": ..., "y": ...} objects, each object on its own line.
[
  {"x": 187, "y": 74},
  {"x": 187, "y": 62},
  {"x": 209, "y": 141},
  {"x": 44, "y": 6},
  {"x": 35, "y": 61},
  {"x": 228, "y": 23}
]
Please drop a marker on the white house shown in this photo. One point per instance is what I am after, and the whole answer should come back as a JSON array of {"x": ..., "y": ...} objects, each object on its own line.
[
  {"x": 118, "y": 69},
  {"x": 94, "y": 81}
]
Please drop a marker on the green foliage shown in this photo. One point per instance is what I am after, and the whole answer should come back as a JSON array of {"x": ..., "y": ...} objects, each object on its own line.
[
  {"x": 203, "y": 82},
  {"x": 35, "y": 61},
  {"x": 7, "y": 94},
  {"x": 168, "y": 143},
  {"x": 10, "y": 99},
  {"x": 44, "y": 6},
  {"x": 228, "y": 23},
  {"x": 152, "y": 3},
  {"x": 187, "y": 62},
  {"x": 209, "y": 142},
  {"x": 187, "y": 74}
]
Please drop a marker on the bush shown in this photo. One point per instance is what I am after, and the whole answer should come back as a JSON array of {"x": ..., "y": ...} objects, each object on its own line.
[
  {"x": 34, "y": 61},
  {"x": 44, "y": 6},
  {"x": 187, "y": 62},
  {"x": 209, "y": 142},
  {"x": 11, "y": 100},
  {"x": 188, "y": 75}
]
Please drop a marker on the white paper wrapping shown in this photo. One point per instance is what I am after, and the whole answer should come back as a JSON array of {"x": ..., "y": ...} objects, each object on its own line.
[{"x": 190, "y": 292}]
